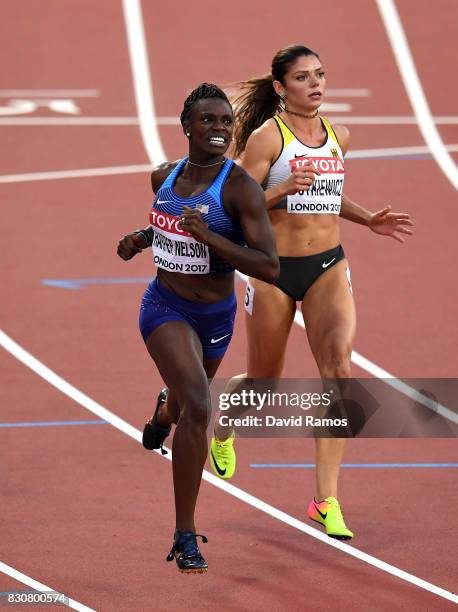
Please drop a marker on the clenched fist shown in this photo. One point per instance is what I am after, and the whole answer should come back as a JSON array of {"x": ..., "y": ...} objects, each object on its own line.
[{"x": 130, "y": 245}]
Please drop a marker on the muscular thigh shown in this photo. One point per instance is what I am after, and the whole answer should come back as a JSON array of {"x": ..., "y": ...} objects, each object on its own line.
[
  {"x": 267, "y": 328},
  {"x": 177, "y": 352},
  {"x": 329, "y": 311}
]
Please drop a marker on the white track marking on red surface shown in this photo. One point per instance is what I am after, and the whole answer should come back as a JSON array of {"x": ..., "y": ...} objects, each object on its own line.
[
  {"x": 70, "y": 174},
  {"x": 139, "y": 168},
  {"x": 57, "y": 381},
  {"x": 394, "y": 152},
  {"x": 142, "y": 80},
  {"x": 354, "y": 120},
  {"x": 175, "y": 121},
  {"x": 391, "y": 119},
  {"x": 41, "y": 93},
  {"x": 412, "y": 83},
  {"x": 38, "y": 586},
  {"x": 70, "y": 121},
  {"x": 348, "y": 93}
]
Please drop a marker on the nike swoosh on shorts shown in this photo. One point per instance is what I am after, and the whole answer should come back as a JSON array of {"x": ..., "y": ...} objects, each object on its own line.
[
  {"x": 214, "y": 340},
  {"x": 326, "y": 264}
]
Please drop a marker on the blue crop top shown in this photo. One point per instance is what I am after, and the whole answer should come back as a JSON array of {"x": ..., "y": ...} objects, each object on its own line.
[{"x": 176, "y": 250}]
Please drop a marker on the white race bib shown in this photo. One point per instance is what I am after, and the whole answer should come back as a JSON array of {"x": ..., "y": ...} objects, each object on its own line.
[
  {"x": 176, "y": 250},
  {"x": 324, "y": 197}
]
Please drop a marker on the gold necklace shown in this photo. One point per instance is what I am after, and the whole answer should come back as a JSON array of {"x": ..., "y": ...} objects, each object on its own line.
[{"x": 206, "y": 165}]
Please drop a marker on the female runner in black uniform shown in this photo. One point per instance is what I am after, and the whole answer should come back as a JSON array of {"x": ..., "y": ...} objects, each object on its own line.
[{"x": 298, "y": 157}]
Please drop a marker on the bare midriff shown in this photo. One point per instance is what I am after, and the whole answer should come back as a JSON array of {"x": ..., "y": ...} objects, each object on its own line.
[
  {"x": 298, "y": 235},
  {"x": 205, "y": 288}
]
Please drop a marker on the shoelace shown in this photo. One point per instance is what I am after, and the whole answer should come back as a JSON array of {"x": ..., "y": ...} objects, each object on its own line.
[
  {"x": 189, "y": 544},
  {"x": 339, "y": 516},
  {"x": 224, "y": 449}
]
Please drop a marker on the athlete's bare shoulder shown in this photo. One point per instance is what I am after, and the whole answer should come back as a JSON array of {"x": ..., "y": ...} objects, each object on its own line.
[
  {"x": 262, "y": 149},
  {"x": 343, "y": 136},
  {"x": 160, "y": 173},
  {"x": 239, "y": 177},
  {"x": 267, "y": 135}
]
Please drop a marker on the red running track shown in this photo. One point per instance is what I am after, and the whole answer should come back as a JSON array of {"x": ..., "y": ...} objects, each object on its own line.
[{"x": 84, "y": 509}]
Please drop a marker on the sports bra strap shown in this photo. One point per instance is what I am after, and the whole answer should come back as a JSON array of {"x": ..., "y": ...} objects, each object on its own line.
[
  {"x": 330, "y": 130},
  {"x": 171, "y": 177},
  {"x": 286, "y": 133},
  {"x": 216, "y": 187}
]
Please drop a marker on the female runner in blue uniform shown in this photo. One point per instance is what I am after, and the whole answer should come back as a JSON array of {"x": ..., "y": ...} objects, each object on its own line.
[
  {"x": 206, "y": 210},
  {"x": 298, "y": 157}
]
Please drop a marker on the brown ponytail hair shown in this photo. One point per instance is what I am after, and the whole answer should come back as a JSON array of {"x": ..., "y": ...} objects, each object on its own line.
[{"x": 258, "y": 100}]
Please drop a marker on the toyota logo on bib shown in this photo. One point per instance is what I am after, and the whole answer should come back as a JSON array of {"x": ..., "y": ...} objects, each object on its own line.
[
  {"x": 166, "y": 222},
  {"x": 323, "y": 165}
]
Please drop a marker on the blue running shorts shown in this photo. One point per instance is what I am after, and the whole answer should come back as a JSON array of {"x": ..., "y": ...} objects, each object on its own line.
[{"x": 213, "y": 322}]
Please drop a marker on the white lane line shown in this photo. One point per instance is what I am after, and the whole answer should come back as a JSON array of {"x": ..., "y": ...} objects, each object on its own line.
[
  {"x": 403, "y": 387},
  {"x": 38, "y": 586},
  {"x": 142, "y": 81},
  {"x": 348, "y": 93},
  {"x": 62, "y": 385},
  {"x": 65, "y": 174},
  {"x": 134, "y": 169},
  {"x": 388, "y": 378},
  {"x": 172, "y": 121},
  {"x": 391, "y": 380},
  {"x": 394, "y": 152},
  {"x": 45, "y": 93},
  {"x": 391, "y": 120},
  {"x": 54, "y": 379},
  {"x": 412, "y": 83},
  {"x": 70, "y": 121},
  {"x": 355, "y": 120},
  {"x": 92, "y": 93},
  {"x": 335, "y": 107}
]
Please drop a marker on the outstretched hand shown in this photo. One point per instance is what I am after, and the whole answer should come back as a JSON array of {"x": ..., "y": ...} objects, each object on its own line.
[{"x": 391, "y": 224}]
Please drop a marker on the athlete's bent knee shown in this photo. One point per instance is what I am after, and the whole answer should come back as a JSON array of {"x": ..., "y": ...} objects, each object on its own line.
[{"x": 196, "y": 408}]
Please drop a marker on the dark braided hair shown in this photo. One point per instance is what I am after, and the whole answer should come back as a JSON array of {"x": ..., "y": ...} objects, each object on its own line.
[
  {"x": 259, "y": 101},
  {"x": 202, "y": 92}
]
